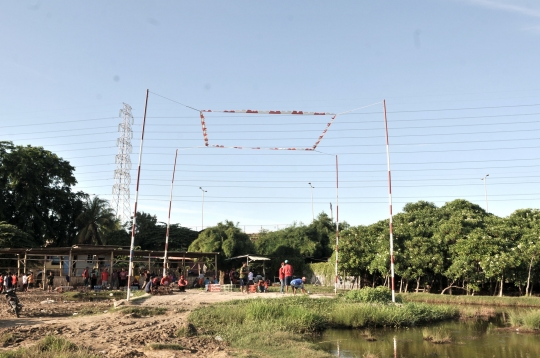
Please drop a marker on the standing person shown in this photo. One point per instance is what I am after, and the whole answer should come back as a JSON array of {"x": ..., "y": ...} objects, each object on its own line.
[
  {"x": 31, "y": 280},
  {"x": 123, "y": 277},
  {"x": 50, "y": 281},
  {"x": 250, "y": 278},
  {"x": 244, "y": 271},
  {"x": 14, "y": 281},
  {"x": 281, "y": 274},
  {"x": 104, "y": 278},
  {"x": 231, "y": 276},
  {"x": 86, "y": 276},
  {"x": 298, "y": 283},
  {"x": 7, "y": 281},
  {"x": 93, "y": 279},
  {"x": 289, "y": 271},
  {"x": 25, "y": 283},
  {"x": 115, "y": 279}
]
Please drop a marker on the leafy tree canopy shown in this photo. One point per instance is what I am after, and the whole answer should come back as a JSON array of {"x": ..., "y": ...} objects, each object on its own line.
[{"x": 36, "y": 194}]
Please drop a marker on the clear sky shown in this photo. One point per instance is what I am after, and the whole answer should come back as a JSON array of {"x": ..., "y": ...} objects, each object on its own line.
[{"x": 460, "y": 79}]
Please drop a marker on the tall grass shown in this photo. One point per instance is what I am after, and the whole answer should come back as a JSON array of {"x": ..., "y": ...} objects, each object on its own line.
[
  {"x": 529, "y": 320},
  {"x": 275, "y": 326}
]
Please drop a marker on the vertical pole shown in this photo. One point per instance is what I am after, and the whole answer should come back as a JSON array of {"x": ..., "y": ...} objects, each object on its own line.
[
  {"x": 485, "y": 191},
  {"x": 312, "y": 210},
  {"x": 169, "y": 218},
  {"x": 61, "y": 258},
  {"x": 390, "y": 202},
  {"x": 25, "y": 257},
  {"x": 215, "y": 268},
  {"x": 131, "y": 248},
  {"x": 337, "y": 225},
  {"x": 18, "y": 265},
  {"x": 70, "y": 263},
  {"x": 44, "y": 274}
]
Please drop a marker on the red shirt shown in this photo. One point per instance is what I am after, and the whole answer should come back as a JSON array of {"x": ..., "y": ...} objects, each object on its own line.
[
  {"x": 165, "y": 281},
  {"x": 14, "y": 279},
  {"x": 104, "y": 276},
  {"x": 281, "y": 273},
  {"x": 182, "y": 282},
  {"x": 288, "y": 269}
]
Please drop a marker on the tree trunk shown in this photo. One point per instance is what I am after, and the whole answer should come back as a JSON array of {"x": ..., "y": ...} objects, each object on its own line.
[
  {"x": 417, "y": 284},
  {"x": 501, "y": 291},
  {"x": 406, "y": 286},
  {"x": 400, "y": 284},
  {"x": 529, "y": 277},
  {"x": 495, "y": 289}
]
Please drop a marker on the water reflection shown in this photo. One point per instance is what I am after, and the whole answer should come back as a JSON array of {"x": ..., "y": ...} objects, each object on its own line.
[{"x": 477, "y": 339}]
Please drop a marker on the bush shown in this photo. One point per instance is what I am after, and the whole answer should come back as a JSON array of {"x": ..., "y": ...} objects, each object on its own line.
[{"x": 380, "y": 294}]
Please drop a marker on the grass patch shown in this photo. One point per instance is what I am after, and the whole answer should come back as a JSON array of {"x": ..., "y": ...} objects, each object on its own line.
[
  {"x": 437, "y": 336},
  {"x": 142, "y": 311},
  {"x": 529, "y": 320},
  {"x": 50, "y": 347},
  {"x": 89, "y": 311},
  {"x": 275, "y": 327},
  {"x": 166, "y": 346},
  {"x": 471, "y": 300}
]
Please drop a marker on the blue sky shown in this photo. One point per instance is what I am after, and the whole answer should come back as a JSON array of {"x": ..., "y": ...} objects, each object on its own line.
[{"x": 460, "y": 79}]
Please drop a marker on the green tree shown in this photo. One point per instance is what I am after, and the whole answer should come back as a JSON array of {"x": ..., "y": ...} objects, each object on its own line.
[
  {"x": 225, "y": 238},
  {"x": 36, "y": 193},
  {"x": 96, "y": 220},
  {"x": 12, "y": 236},
  {"x": 526, "y": 224},
  {"x": 422, "y": 253},
  {"x": 150, "y": 234}
]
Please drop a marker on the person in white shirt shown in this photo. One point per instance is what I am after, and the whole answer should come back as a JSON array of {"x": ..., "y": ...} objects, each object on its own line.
[{"x": 25, "y": 283}]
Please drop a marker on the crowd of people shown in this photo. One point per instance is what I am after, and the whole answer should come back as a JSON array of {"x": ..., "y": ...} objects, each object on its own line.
[{"x": 150, "y": 282}]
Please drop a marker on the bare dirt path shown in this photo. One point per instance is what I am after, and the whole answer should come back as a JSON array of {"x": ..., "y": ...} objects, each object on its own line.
[{"x": 111, "y": 334}]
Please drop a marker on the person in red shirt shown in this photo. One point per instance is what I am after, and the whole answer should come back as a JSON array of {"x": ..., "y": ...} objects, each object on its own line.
[
  {"x": 282, "y": 277},
  {"x": 104, "y": 278},
  {"x": 289, "y": 271},
  {"x": 182, "y": 283},
  {"x": 165, "y": 281},
  {"x": 14, "y": 280},
  {"x": 86, "y": 275}
]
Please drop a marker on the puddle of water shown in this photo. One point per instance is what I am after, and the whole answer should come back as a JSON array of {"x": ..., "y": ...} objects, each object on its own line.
[{"x": 475, "y": 339}]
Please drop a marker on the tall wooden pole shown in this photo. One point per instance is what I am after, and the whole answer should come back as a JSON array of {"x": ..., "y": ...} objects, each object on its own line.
[
  {"x": 169, "y": 218},
  {"x": 390, "y": 202},
  {"x": 131, "y": 248}
]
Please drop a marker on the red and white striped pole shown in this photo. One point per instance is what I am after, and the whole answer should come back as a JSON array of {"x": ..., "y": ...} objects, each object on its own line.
[
  {"x": 169, "y": 219},
  {"x": 390, "y": 202},
  {"x": 337, "y": 225},
  {"x": 131, "y": 248}
]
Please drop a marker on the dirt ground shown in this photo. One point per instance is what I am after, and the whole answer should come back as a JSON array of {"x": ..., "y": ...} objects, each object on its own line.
[{"x": 112, "y": 334}]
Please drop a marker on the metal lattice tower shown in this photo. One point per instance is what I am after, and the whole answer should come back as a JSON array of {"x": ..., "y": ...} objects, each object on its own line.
[{"x": 121, "y": 203}]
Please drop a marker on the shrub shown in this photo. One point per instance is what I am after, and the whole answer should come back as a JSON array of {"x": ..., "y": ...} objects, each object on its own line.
[{"x": 380, "y": 294}]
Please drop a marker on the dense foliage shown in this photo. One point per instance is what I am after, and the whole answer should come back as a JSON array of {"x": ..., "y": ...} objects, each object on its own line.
[{"x": 457, "y": 246}]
